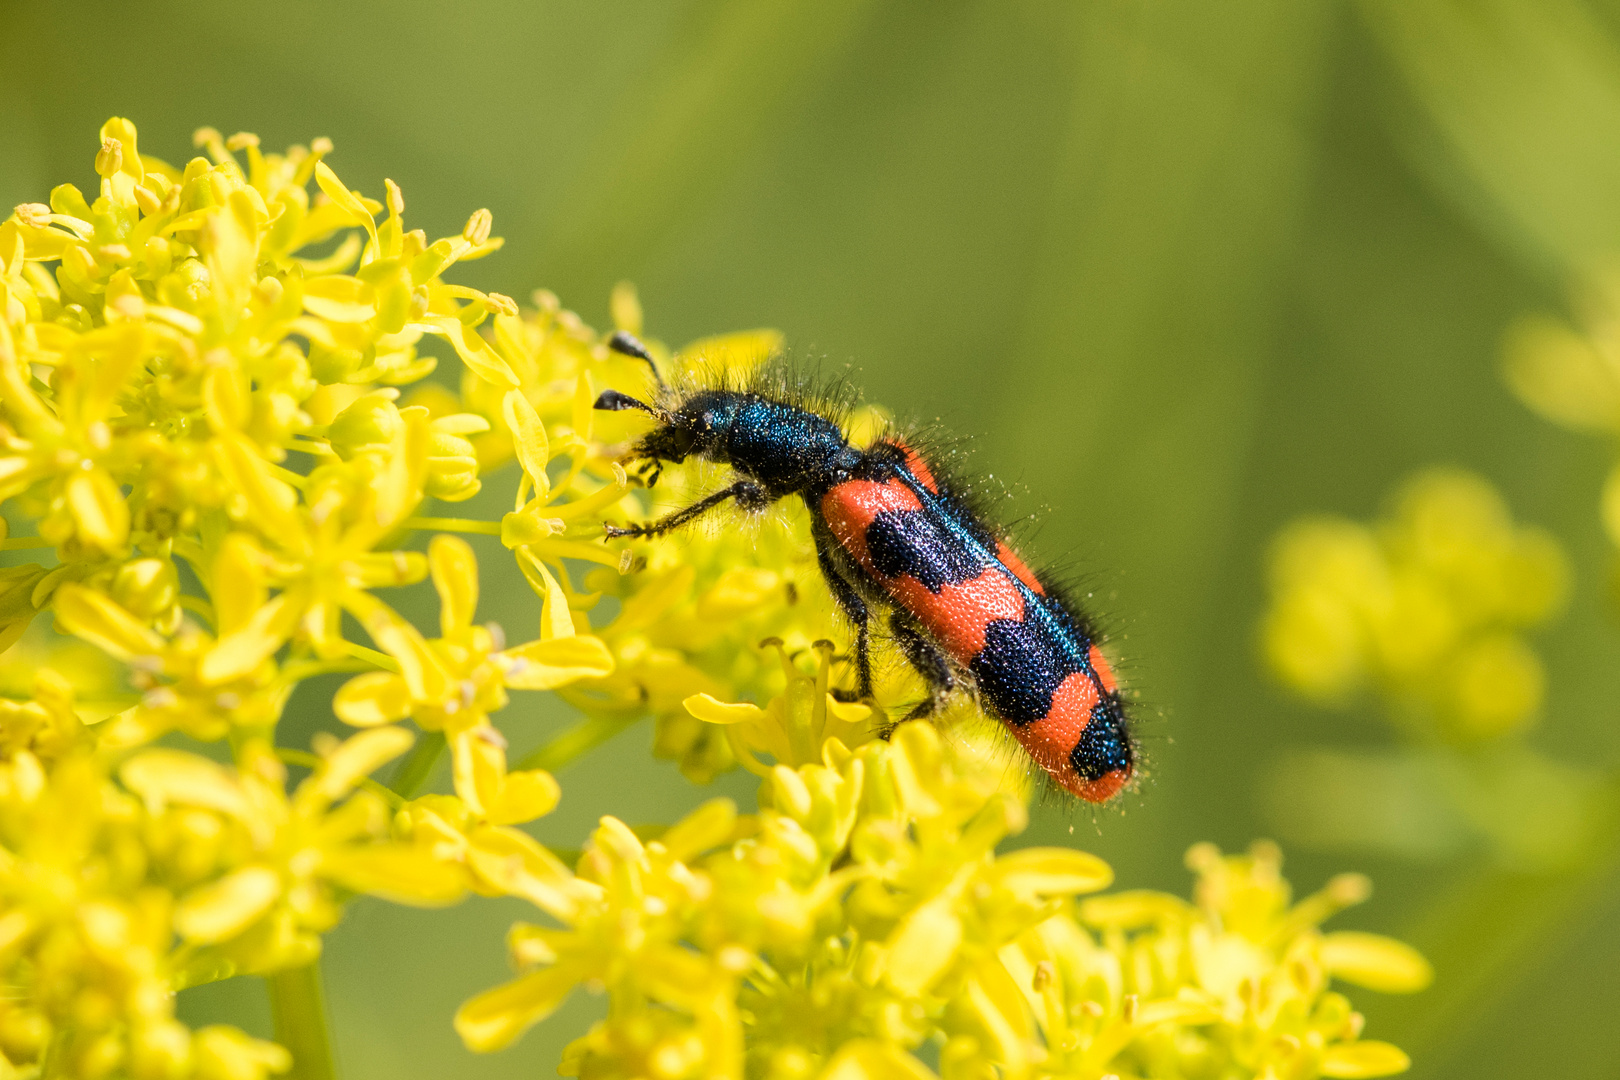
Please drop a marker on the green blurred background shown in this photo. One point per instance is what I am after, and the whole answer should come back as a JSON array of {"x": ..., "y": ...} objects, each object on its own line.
[{"x": 1183, "y": 269}]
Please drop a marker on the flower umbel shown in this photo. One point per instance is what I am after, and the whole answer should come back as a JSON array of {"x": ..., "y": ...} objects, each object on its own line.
[
  {"x": 217, "y": 444},
  {"x": 863, "y": 912}
]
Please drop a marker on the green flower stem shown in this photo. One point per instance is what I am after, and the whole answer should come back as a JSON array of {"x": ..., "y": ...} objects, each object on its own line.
[
  {"x": 298, "y": 1012},
  {"x": 381, "y": 659},
  {"x": 414, "y": 771},
  {"x": 576, "y": 741},
  {"x": 297, "y": 480},
  {"x": 299, "y": 670},
  {"x": 199, "y": 607},
  {"x": 464, "y": 525}
]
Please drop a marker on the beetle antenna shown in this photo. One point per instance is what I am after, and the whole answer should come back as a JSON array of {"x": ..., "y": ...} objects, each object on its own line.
[
  {"x": 613, "y": 401},
  {"x": 624, "y": 342}
]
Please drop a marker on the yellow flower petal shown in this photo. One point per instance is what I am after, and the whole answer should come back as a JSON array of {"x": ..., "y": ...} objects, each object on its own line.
[
  {"x": 1186, "y": 1012},
  {"x": 733, "y": 354},
  {"x": 923, "y": 947},
  {"x": 514, "y": 863},
  {"x": 709, "y": 826},
  {"x": 99, "y": 509},
  {"x": 269, "y": 504},
  {"x": 92, "y": 616},
  {"x": 422, "y": 670},
  {"x": 377, "y": 697},
  {"x": 1562, "y": 375},
  {"x": 1609, "y": 505},
  {"x": 399, "y": 488},
  {"x": 584, "y": 411},
  {"x": 1357, "y": 1060},
  {"x": 339, "y": 298},
  {"x": 237, "y": 587},
  {"x": 173, "y": 776},
  {"x": 528, "y": 438},
  {"x": 225, "y": 1053},
  {"x": 495, "y": 1018},
  {"x": 739, "y": 591},
  {"x": 1047, "y": 871},
  {"x": 624, "y": 306},
  {"x": 402, "y": 873},
  {"x": 1133, "y": 908},
  {"x": 345, "y": 199},
  {"x": 358, "y": 757},
  {"x": 477, "y": 766},
  {"x": 226, "y": 397},
  {"x": 474, "y": 351},
  {"x": 455, "y": 576},
  {"x": 249, "y": 645},
  {"x": 714, "y": 711},
  {"x": 868, "y": 1059},
  {"x": 230, "y": 242},
  {"x": 221, "y": 910},
  {"x": 524, "y": 796},
  {"x": 546, "y": 665},
  {"x": 1376, "y": 962},
  {"x": 130, "y": 170}
]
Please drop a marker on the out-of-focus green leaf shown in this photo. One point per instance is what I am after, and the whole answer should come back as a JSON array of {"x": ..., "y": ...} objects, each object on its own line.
[
  {"x": 1523, "y": 101},
  {"x": 723, "y": 74}
]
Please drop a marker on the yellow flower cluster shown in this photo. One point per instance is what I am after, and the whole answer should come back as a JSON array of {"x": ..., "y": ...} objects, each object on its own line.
[
  {"x": 1427, "y": 606},
  {"x": 200, "y": 419},
  {"x": 1572, "y": 377},
  {"x": 218, "y": 441},
  {"x": 863, "y": 915}
]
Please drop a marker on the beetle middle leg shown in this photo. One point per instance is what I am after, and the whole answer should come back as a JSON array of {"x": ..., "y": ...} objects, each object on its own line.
[{"x": 928, "y": 661}]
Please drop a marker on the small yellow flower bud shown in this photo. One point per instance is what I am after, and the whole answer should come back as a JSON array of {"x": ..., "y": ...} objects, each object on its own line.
[
  {"x": 160, "y": 1051},
  {"x": 370, "y": 422},
  {"x": 452, "y": 467},
  {"x": 1347, "y": 890},
  {"x": 624, "y": 305},
  {"x": 147, "y": 198},
  {"x": 146, "y": 587},
  {"x": 241, "y": 141},
  {"x": 24, "y": 1032}
]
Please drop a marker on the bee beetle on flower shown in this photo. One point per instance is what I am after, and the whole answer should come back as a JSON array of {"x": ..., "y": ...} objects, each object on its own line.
[{"x": 893, "y": 535}]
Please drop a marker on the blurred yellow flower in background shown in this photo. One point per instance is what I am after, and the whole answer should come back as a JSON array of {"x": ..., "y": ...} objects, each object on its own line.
[
  {"x": 1427, "y": 607},
  {"x": 1571, "y": 376},
  {"x": 1426, "y": 610}
]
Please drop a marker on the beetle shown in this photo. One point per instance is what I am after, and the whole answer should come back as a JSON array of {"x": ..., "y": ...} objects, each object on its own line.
[{"x": 894, "y": 541}]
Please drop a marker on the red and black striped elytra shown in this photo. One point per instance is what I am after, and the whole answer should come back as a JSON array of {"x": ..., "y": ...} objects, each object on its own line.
[{"x": 892, "y": 538}]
